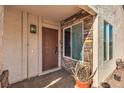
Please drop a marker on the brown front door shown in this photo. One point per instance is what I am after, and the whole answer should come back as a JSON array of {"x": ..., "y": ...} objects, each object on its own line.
[{"x": 50, "y": 48}]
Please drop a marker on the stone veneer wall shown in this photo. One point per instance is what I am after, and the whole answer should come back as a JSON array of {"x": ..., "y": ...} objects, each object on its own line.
[
  {"x": 115, "y": 16},
  {"x": 88, "y": 43}
]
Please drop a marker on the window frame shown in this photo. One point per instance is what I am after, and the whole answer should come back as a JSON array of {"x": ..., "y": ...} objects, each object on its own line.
[
  {"x": 70, "y": 26},
  {"x": 107, "y": 42},
  {"x": 111, "y": 46}
]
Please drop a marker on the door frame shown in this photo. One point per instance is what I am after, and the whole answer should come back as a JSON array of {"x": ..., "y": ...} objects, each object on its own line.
[{"x": 59, "y": 47}]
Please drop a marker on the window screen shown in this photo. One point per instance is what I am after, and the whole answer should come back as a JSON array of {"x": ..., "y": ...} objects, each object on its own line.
[
  {"x": 77, "y": 41},
  {"x": 105, "y": 40},
  {"x": 108, "y": 41}
]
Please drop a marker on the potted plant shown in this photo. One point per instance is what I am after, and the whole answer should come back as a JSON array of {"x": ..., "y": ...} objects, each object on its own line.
[{"x": 82, "y": 74}]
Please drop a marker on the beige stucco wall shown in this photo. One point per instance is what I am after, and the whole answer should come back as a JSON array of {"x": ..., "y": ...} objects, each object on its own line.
[
  {"x": 13, "y": 44},
  {"x": 115, "y": 16},
  {"x": 23, "y": 50}
]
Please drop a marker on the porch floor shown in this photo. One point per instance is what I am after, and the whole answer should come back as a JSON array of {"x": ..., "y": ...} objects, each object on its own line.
[
  {"x": 58, "y": 79},
  {"x": 114, "y": 83}
]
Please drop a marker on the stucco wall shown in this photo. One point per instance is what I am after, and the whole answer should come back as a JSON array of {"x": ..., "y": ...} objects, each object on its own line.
[
  {"x": 22, "y": 49},
  {"x": 13, "y": 44},
  {"x": 114, "y": 16},
  {"x": 95, "y": 50}
]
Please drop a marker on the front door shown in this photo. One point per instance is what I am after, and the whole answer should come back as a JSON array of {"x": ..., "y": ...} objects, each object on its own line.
[{"x": 50, "y": 48}]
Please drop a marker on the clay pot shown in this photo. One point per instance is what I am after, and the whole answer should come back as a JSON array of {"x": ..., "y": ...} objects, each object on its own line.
[{"x": 86, "y": 84}]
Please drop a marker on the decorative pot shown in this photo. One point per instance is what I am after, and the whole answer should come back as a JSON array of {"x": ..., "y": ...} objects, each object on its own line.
[{"x": 86, "y": 84}]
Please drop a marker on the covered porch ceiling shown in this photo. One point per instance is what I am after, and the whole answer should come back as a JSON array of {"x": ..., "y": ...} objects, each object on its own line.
[{"x": 50, "y": 12}]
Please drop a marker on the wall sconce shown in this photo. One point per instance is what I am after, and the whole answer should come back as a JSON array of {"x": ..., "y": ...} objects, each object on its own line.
[{"x": 33, "y": 28}]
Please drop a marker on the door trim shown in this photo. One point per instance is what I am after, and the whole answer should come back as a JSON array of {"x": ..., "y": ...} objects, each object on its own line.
[
  {"x": 59, "y": 47},
  {"x": 51, "y": 70}
]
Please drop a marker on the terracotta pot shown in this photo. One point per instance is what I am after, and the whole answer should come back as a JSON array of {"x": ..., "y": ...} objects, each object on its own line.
[{"x": 86, "y": 84}]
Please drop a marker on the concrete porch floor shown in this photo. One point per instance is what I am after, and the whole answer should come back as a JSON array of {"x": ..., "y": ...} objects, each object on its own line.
[
  {"x": 58, "y": 79},
  {"x": 114, "y": 83}
]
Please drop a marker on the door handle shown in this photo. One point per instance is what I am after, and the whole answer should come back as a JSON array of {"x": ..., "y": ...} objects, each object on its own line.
[{"x": 56, "y": 50}]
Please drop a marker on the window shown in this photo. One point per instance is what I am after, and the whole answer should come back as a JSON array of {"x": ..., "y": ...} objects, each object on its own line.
[
  {"x": 67, "y": 40},
  {"x": 108, "y": 41},
  {"x": 73, "y": 42}
]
